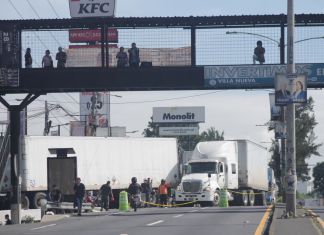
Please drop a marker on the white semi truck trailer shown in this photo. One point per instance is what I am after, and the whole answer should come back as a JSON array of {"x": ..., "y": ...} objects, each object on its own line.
[
  {"x": 56, "y": 160},
  {"x": 241, "y": 166}
]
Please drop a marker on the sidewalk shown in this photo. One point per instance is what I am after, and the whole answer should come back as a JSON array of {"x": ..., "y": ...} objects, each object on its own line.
[{"x": 302, "y": 225}]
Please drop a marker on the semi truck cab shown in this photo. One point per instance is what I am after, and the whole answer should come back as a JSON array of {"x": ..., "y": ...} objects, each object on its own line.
[{"x": 202, "y": 182}]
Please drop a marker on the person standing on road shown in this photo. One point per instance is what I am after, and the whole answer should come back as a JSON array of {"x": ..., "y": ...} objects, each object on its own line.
[
  {"x": 134, "y": 59},
  {"x": 47, "y": 61},
  {"x": 106, "y": 195},
  {"x": 163, "y": 192},
  {"x": 134, "y": 191},
  {"x": 146, "y": 191},
  {"x": 259, "y": 53},
  {"x": 79, "y": 192},
  {"x": 28, "y": 59},
  {"x": 61, "y": 58}
]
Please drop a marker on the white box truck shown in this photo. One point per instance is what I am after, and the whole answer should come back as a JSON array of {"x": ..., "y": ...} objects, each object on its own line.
[
  {"x": 95, "y": 160},
  {"x": 241, "y": 166}
]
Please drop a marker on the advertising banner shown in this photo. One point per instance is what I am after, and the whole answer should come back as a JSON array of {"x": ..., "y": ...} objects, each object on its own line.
[
  {"x": 92, "y": 35},
  {"x": 178, "y": 131},
  {"x": 179, "y": 114},
  {"x": 94, "y": 108},
  {"x": 9, "y": 58},
  {"x": 77, "y": 128},
  {"x": 275, "y": 111},
  {"x": 290, "y": 89},
  {"x": 92, "y": 8},
  {"x": 258, "y": 76},
  {"x": 280, "y": 130}
]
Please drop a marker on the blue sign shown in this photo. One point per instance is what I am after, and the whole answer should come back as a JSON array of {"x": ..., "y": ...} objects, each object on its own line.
[{"x": 258, "y": 76}]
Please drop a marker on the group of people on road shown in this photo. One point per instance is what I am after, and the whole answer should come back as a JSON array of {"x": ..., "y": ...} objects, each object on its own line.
[
  {"x": 135, "y": 190},
  {"x": 47, "y": 61},
  {"x": 106, "y": 195}
]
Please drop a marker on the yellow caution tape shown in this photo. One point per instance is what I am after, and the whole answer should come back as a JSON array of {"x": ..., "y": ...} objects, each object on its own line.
[{"x": 168, "y": 205}]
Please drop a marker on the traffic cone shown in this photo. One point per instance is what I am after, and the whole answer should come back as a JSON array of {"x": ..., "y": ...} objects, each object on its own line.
[
  {"x": 223, "y": 200},
  {"x": 123, "y": 201}
]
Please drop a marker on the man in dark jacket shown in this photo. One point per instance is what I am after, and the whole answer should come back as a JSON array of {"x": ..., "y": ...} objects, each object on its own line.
[
  {"x": 146, "y": 190},
  {"x": 134, "y": 190},
  {"x": 79, "y": 192},
  {"x": 106, "y": 195}
]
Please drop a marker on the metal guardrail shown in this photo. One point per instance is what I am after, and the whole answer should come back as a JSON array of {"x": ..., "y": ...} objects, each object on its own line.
[{"x": 4, "y": 153}]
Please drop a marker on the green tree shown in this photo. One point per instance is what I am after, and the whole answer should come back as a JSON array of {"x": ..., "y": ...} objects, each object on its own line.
[
  {"x": 318, "y": 174},
  {"x": 305, "y": 141},
  {"x": 185, "y": 142}
]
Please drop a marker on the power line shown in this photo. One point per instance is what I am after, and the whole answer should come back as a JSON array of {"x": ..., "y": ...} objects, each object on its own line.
[
  {"x": 34, "y": 10},
  {"x": 52, "y": 7}
]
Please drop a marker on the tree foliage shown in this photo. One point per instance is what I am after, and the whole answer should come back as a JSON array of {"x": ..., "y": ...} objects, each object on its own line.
[
  {"x": 305, "y": 141},
  {"x": 318, "y": 174},
  {"x": 186, "y": 142}
]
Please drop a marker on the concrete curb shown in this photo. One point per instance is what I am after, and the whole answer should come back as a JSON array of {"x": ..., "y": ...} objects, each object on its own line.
[{"x": 317, "y": 219}]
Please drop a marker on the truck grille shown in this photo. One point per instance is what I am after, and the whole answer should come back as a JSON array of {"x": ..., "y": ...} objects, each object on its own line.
[{"x": 191, "y": 187}]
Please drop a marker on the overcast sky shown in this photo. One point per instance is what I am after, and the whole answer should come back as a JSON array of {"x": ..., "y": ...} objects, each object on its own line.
[{"x": 237, "y": 113}]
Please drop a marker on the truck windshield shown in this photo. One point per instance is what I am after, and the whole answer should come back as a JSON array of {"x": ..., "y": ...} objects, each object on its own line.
[{"x": 203, "y": 167}]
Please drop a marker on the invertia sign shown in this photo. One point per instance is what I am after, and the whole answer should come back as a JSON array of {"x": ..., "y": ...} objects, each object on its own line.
[{"x": 92, "y": 8}]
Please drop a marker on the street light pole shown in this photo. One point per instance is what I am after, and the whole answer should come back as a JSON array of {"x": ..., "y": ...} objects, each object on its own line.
[{"x": 291, "y": 142}]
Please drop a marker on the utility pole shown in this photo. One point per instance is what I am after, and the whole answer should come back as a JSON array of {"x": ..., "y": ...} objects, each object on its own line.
[
  {"x": 46, "y": 119},
  {"x": 291, "y": 135}
]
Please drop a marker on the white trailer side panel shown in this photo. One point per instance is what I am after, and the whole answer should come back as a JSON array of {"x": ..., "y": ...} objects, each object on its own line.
[
  {"x": 253, "y": 161},
  {"x": 100, "y": 159}
]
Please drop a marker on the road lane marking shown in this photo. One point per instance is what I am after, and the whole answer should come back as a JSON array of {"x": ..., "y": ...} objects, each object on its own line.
[
  {"x": 204, "y": 208},
  {"x": 156, "y": 222},
  {"x": 193, "y": 211},
  {"x": 263, "y": 221},
  {"x": 45, "y": 226},
  {"x": 177, "y": 216}
]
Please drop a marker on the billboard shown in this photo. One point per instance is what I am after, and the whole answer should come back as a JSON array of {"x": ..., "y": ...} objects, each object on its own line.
[
  {"x": 94, "y": 109},
  {"x": 9, "y": 57},
  {"x": 92, "y": 8},
  {"x": 275, "y": 111},
  {"x": 290, "y": 89},
  {"x": 188, "y": 114},
  {"x": 178, "y": 131},
  {"x": 92, "y": 35},
  {"x": 258, "y": 76}
]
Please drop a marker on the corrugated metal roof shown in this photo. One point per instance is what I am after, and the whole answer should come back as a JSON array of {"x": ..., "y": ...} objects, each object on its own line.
[{"x": 178, "y": 21}]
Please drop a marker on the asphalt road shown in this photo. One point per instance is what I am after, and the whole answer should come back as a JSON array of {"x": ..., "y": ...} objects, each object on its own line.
[{"x": 151, "y": 221}]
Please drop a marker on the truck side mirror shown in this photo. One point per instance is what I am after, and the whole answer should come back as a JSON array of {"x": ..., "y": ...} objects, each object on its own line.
[{"x": 209, "y": 175}]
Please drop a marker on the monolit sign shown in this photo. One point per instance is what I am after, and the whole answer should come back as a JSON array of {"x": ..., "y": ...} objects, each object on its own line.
[
  {"x": 92, "y": 8},
  {"x": 178, "y": 114}
]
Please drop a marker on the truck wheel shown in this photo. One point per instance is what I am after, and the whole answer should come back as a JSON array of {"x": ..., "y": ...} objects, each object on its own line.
[
  {"x": 216, "y": 198},
  {"x": 245, "y": 198},
  {"x": 24, "y": 202},
  {"x": 38, "y": 197},
  {"x": 251, "y": 197}
]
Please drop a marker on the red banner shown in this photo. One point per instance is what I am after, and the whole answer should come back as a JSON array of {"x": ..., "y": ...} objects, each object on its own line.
[{"x": 91, "y": 35}]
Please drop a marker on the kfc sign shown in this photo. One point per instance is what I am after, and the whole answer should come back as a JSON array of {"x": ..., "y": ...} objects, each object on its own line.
[
  {"x": 92, "y": 35},
  {"x": 92, "y": 8}
]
